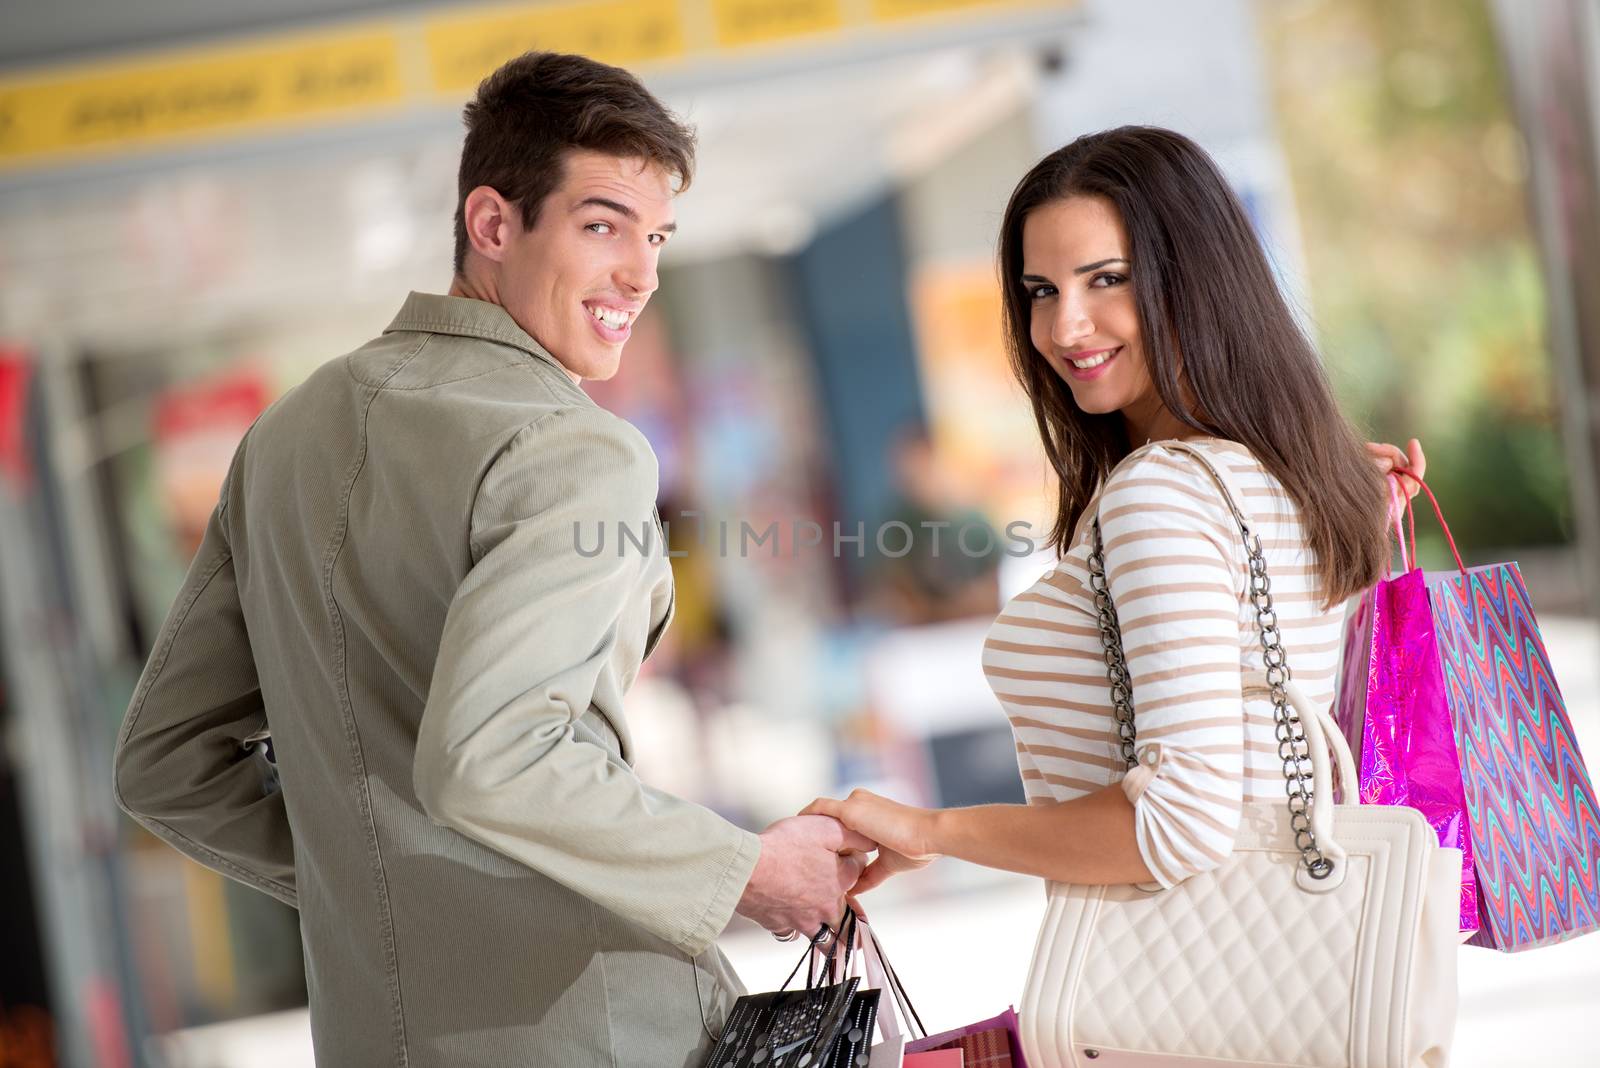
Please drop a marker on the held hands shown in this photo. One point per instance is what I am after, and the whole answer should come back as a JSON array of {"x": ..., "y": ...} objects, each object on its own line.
[
  {"x": 903, "y": 833},
  {"x": 811, "y": 863},
  {"x": 808, "y": 864}
]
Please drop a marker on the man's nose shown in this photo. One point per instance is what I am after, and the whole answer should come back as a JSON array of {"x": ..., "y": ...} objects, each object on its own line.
[{"x": 637, "y": 274}]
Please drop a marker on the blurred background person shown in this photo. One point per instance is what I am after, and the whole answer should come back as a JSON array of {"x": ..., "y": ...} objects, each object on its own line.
[{"x": 943, "y": 558}]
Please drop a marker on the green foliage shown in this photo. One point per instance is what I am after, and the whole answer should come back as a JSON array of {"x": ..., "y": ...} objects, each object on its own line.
[{"x": 1409, "y": 179}]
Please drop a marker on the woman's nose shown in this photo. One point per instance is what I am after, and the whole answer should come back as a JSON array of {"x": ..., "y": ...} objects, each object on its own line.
[{"x": 1071, "y": 326}]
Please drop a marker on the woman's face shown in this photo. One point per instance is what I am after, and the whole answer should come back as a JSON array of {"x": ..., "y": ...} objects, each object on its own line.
[{"x": 1084, "y": 320}]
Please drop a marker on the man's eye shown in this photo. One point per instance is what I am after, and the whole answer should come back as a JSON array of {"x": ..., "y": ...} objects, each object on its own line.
[
  {"x": 658, "y": 239},
  {"x": 599, "y": 228}
]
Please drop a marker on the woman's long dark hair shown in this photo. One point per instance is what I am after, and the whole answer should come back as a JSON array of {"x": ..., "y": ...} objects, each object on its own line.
[{"x": 1214, "y": 328}]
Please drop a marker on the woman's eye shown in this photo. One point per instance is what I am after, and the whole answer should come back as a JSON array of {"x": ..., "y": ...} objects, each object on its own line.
[
  {"x": 658, "y": 239},
  {"x": 1040, "y": 292},
  {"x": 1108, "y": 279},
  {"x": 599, "y": 228}
]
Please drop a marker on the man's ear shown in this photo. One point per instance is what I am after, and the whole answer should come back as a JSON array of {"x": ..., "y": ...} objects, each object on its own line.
[{"x": 489, "y": 217}]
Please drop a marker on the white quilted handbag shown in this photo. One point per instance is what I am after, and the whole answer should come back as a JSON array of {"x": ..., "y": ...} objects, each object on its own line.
[{"x": 1326, "y": 940}]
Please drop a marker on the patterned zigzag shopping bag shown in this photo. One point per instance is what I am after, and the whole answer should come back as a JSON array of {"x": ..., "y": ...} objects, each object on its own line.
[{"x": 1530, "y": 800}]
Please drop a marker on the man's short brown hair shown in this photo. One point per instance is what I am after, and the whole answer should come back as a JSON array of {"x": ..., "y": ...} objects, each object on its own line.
[{"x": 527, "y": 114}]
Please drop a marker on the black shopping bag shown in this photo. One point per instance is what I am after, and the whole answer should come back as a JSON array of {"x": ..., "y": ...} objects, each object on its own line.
[{"x": 826, "y": 1025}]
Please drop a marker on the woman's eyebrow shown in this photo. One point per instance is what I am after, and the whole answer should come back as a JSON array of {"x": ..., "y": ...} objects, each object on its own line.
[
  {"x": 1035, "y": 278},
  {"x": 1086, "y": 268}
]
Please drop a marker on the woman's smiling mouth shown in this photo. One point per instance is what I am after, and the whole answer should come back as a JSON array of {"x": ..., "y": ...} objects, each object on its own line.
[{"x": 1088, "y": 365}]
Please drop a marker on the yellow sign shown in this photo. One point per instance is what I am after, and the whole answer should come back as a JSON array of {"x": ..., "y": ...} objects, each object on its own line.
[
  {"x": 743, "y": 22},
  {"x": 894, "y": 10},
  {"x": 463, "y": 49},
  {"x": 160, "y": 99},
  {"x": 354, "y": 70}
]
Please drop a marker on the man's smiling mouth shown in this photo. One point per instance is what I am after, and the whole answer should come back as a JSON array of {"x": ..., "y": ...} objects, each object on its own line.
[{"x": 615, "y": 318}]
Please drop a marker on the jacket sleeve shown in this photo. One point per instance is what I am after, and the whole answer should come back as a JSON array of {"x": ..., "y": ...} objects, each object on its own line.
[
  {"x": 182, "y": 768},
  {"x": 531, "y": 643}
]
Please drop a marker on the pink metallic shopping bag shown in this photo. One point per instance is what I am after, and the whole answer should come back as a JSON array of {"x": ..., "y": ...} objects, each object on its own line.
[{"x": 1393, "y": 710}]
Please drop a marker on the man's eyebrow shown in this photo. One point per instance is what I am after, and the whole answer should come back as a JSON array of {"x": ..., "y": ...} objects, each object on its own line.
[
  {"x": 1086, "y": 268},
  {"x": 621, "y": 209}
]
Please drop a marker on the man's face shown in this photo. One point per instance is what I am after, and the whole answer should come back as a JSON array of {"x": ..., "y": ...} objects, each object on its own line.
[{"x": 578, "y": 280}]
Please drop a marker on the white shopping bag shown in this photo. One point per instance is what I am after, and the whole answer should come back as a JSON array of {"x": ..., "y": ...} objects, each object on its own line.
[{"x": 892, "y": 1002}]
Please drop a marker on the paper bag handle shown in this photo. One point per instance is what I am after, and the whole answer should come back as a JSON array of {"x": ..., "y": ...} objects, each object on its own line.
[{"x": 1448, "y": 537}]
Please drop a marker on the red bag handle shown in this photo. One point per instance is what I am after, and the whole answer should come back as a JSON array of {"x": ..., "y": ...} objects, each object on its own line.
[{"x": 1411, "y": 518}]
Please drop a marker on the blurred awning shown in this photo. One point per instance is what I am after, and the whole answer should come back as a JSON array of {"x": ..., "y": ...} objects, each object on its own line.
[
  {"x": 282, "y": 78},
  {"x": 797, "y": 126}
]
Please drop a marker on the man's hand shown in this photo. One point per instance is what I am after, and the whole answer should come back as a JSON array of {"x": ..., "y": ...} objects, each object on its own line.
[
  {"x": 903, "y": 833},
  {"x": 807, "y": 866},
  {"x": 1389, "y": 459}
]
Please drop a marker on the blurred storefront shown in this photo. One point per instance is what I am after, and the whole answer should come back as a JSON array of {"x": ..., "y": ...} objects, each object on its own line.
[{"x": 195, "y": 215}]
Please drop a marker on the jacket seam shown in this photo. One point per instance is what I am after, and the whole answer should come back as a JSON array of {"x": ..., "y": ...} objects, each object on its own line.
[
  {"x": 352, "y": 732},
  {"x": 509, "y": 365},
  {"x": 252, "y": 878},
  {"x": 577, "y": 398}
]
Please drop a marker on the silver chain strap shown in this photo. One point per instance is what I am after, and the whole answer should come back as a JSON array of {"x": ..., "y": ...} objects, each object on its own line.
[
  {"x": 1293, "y": 749},
  {"x": 1111, "y": 642}
]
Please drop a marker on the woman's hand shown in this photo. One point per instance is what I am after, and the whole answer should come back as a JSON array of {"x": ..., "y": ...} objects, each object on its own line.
[
  {"x": 903, "y": 832},
  {"x": 889, "y": 863},
  {"x": 1390, "y": 459}
]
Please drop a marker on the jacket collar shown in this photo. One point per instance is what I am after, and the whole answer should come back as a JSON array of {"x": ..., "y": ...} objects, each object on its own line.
[{"x": 464, "y": 317}]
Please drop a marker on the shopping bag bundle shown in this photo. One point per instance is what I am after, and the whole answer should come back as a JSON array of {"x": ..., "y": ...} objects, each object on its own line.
[
  {"x": 828, "y": 1024},
  {"x": 1449, "y": 701},
  {"x": 832, "y": 1023}
]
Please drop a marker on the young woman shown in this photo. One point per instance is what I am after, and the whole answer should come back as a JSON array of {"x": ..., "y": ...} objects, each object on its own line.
[{"x": 1139, "y": 310}]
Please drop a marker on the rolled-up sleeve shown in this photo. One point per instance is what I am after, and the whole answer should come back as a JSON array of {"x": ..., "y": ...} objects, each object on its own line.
[
  {"x": 1175, "y": 568},
  {"x": 546, "y": 626}
]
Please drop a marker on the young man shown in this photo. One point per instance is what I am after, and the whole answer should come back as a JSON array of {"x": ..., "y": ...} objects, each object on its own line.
[{"x": 392, "y": 585}]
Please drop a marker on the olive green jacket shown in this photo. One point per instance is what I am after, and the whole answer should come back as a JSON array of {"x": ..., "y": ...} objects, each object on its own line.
[{"x": 400, "y": 583}]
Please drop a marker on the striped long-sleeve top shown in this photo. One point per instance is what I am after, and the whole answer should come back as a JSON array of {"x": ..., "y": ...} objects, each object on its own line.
[{"x": 1177, "y": 571}]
